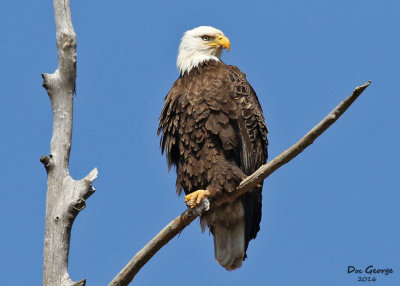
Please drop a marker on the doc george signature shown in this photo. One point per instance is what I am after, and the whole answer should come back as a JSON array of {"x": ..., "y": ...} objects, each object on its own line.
[{"x": 369, "y": 273}]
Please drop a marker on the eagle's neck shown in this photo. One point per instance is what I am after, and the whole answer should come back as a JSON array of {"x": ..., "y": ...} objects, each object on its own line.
[{"x": 191, "y": 58}]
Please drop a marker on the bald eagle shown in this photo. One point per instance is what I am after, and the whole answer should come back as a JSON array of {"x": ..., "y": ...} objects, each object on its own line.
[{"x": 213, "y": 131}]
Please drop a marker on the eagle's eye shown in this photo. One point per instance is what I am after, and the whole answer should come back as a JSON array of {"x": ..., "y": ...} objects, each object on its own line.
[{"x": 205, "y": 38}]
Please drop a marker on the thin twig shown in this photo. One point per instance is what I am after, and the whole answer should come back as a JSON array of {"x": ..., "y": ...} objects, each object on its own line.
[{"x": 178, "y": 224}]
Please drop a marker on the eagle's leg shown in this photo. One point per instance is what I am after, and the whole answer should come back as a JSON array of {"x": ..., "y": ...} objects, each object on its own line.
[{"x": 195, "y": 198}]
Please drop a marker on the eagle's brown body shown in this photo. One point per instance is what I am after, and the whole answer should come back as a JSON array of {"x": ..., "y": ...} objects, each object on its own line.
[{"x": 214, "y": 132}]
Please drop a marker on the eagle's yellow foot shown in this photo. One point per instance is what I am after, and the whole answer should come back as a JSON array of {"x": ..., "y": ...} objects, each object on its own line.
[{"x": 195, "y": 198}]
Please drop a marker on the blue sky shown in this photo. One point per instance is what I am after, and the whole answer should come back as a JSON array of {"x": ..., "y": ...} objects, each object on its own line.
[{"x": 335, "y": 205}]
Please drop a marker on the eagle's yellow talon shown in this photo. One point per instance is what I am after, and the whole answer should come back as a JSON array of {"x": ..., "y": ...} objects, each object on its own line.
[
  {"x": 193, "y": 199},
  {"x": 199, "y": 198}
]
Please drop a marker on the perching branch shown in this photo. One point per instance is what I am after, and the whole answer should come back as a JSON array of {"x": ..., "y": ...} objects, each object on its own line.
[
  {"x": 65, "y": 196},
  {"x": 177, "y": 225}
]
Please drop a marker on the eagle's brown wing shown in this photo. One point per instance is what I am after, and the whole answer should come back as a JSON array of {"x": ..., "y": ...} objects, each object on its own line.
[{"x": 253, "y": 148}]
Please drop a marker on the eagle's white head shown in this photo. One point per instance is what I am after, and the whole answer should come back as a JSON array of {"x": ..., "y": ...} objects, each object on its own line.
[{"x": 199, "y": 45}]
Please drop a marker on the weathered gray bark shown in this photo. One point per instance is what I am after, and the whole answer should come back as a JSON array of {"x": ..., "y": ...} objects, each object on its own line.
[
  {"x": 126, "y": 275},
  {"x": 65, "y": 196}
]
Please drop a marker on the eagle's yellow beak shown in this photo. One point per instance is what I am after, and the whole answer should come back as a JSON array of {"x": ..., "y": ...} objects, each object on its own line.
[
  {"x": 220, "y": 41},
  {"x": 223, "y": 41}
]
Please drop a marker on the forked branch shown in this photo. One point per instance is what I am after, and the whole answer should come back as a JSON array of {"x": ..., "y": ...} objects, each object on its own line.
[{"x": 178, "y": 224}]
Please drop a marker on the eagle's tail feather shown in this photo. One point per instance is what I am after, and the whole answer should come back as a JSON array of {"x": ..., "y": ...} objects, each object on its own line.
[
  {"x": 228, "y": 226},
  {"x": 229, "y": 244}
]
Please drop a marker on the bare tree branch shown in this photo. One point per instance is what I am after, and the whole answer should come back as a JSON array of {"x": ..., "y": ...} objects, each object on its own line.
[
  {"x": 178, "y": 224},
  {"x": 65, "y": 196}
]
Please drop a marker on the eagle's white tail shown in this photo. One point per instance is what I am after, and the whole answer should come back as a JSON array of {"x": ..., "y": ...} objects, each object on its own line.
[
  {"x": 228, "y": 227},
  {"x": 229, "y": 245}
]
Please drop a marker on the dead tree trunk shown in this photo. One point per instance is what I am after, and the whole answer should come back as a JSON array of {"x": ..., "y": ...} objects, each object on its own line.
[{"x": 65, "y": 196}]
